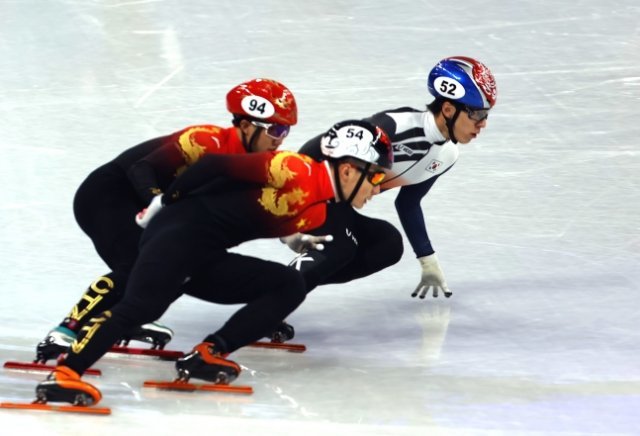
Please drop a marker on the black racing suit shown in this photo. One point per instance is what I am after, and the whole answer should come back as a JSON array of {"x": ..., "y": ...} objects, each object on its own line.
[{"x": 184, "y": 249}]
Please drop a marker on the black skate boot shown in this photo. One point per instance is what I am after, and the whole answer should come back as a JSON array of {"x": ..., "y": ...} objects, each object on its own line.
[
  {"x": 283, "y": 332},
  {"x": 153, "y": 333},
  {"x": 65, "y": 385},
  {"x": 205, "y": 363},
  {"x": 54, "y": 345}
]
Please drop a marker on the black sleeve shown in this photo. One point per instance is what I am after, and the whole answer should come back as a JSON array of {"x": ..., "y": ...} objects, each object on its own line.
[
  {"x": 312, "y": 148},
  {"x": 385, "y": 122},
  {"x": 152, "y": 173},
  {"x": 196, "y": 178},
  {"x": 214, "y": 171}
]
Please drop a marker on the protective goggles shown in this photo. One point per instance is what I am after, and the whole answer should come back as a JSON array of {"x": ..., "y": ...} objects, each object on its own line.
[
  {"x": 374, "y": 177},
  {"x": 477, "y": 115},
  {"x": 275, "y": 131}
]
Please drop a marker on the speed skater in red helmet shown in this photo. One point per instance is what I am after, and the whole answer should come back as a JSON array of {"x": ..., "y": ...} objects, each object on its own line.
[
  {"x": 263, "y": 111},
  {"x": 266, "y": 104}
]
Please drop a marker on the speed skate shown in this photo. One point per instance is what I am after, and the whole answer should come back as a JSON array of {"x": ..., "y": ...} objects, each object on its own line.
[
  {"x": 43, "y": 406},
  {"x": 37, "y": 366},
  {"x": 184, "y": 385},
  {"x": 294, "y": 348}
]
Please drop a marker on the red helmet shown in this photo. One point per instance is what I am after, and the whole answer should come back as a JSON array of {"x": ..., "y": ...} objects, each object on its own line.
[{"x": 264, "y": 100}]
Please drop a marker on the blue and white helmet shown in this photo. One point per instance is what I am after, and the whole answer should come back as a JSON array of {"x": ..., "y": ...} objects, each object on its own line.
[{"x": 463, "y": 80}]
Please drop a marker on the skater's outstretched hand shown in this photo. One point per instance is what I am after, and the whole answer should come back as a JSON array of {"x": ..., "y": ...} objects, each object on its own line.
[
  {"x": 144, "y": 216},
  {"x": 432, "y": 278},
  {"x": 300, "y": 242}
]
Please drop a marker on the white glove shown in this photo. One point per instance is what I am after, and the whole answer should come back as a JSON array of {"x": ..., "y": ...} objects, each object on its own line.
[
  {"x": 144, "y": 216},
  {"x": 432, "y": 277},
  {"x": 300, "y": 242}
]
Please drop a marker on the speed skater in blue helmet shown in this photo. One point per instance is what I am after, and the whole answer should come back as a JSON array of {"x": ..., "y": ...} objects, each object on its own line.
[{"x": 468, "y": 86}]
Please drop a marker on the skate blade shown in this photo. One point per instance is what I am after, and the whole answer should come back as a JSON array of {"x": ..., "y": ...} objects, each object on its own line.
[
  {"x": 178, "y": 385},
  {"x": 163, "y": 354},
  {"x": 294, "y": 348},
  {"x": 52, "y": 408},
  {"x": 32, "y": 366}
]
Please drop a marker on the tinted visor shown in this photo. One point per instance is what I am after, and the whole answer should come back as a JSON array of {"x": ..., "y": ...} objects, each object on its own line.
[
  {"x": 375, "y": 177},
  {"x": 477, "y": 115},
  {"x": 275, "y": 131}
]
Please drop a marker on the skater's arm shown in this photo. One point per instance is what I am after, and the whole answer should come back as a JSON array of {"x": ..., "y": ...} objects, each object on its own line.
[
  {"x": 153, "y": 171},
  {"x": 411, "y": 217},
  {"x": 251, "y": 168}
]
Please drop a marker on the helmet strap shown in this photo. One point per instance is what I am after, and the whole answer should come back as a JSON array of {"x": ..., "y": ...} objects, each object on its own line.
[
  {"x": 356, "y": 188},
  {"x": 360, "y": 182},
  {"x": 336, "y": 176},
  {"x": 249, "y": 145},
  {"x": 450, "y": 122}
]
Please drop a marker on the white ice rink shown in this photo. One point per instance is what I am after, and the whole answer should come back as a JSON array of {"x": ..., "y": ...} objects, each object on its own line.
[{"x": 537, "y": 226}]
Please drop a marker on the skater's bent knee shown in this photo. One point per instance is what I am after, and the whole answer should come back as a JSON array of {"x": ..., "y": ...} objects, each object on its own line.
[
  {"x": 388, "y": 247},
  {"x": 394, "y": 246},
  {"x": 293, "y": 285}
]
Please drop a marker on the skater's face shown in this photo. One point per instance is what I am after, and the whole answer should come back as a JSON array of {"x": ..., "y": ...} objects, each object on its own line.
[
  {"x": 350, "y": 174},
  {"x": 468, "y": 124},
  {"x": 269, "y": 136}
]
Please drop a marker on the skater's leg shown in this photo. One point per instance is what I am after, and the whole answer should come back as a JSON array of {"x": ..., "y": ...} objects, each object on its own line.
[
  {"x": 171, "y": 251},
  {"x": 316, "y": 265},
  {"x": 361, "y": 247},
  {"x": 99, "y": 295},
  {"x": 104, "y": 205},
  {"x": 269, "y": 290},
  {"x": 379, "y": 246}
]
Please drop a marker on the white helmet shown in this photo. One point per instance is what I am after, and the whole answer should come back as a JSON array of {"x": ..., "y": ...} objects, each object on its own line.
[{"x": 359, "y": 140}]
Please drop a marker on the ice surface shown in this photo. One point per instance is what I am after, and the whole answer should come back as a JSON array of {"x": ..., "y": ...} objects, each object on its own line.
[{"x": 536, "y": 227}]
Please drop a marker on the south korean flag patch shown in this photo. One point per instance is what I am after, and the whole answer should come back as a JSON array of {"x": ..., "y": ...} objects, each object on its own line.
[{"x": 433, "y": 166}]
